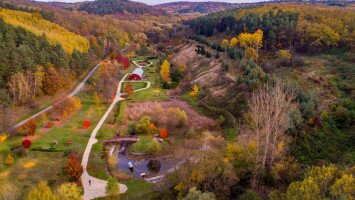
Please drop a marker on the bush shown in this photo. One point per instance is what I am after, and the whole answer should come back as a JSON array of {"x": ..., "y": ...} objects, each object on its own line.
[
  {"x": 298, "y": 62},
  {"x": 154, "y": 165},
  {"x": 343, "y": 113},
  {"x": 9, "y": 160},
  {"x": 146, "y": 145},
  {"x": 250, "y": 195},
  {"x": 225, "y": 66},
  {"x": 266, "y": 66},
  {"x": 142, "y": 127},
  {"x": 73, "y": 168}
]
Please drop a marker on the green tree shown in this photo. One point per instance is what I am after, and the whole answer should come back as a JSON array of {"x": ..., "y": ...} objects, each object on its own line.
[
  {"x": 142, "y": 126},
  {"x": 250, "y": 195}
]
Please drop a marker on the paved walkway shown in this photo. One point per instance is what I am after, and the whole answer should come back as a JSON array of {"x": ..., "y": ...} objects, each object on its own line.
[{"x": 97, "y": 188}]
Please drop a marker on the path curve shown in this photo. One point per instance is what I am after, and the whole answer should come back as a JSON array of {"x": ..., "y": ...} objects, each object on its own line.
[{"x": 97, "y": 187}]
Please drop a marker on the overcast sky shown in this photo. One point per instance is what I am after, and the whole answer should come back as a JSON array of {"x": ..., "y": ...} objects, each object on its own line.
[{"x": 153, "y": 2}]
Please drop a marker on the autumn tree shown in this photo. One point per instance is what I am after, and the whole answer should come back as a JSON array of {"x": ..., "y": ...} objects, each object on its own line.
[
  {"x": 40, "y": 192},
  {"x": 165, "y": 70},
  {"x": 251, "y": 43},
  {"x": 73, "y": 168},
  {"x": 194, "y": 91},
  {"x": 267, "y": 121},
  {"x": 52, "y": 82},
  {"x": 38, "y": 82},
  {"x": 69, "y": 191},
  {"x": 128, "y": 89}
]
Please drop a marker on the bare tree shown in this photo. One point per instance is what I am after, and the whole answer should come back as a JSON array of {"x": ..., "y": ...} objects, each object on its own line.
[{"x": 268, "y": 119}]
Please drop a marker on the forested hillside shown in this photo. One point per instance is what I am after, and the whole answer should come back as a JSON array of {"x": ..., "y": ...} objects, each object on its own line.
[
  {"x": 24, "y": 56},
  {"x": 305, "y": 27},
  {"x": 106, "y": 7},
  {"x": 34, "y": 23}
]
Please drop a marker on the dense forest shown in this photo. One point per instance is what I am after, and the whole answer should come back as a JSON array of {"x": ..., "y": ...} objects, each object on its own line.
[
  {"x": 23, "y": 53},
  {"x": 106, "y": 7},
  {"x": 303, "y": 27}
]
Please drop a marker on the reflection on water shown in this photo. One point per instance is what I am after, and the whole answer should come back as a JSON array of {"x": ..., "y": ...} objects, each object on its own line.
[{"x": 140, "y": 166}]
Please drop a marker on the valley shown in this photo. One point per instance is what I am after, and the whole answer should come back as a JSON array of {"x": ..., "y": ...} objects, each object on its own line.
[{"x": 116, "y": 99}]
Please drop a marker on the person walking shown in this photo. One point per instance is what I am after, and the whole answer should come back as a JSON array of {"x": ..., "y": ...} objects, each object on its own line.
[{"x": 89, "y": 182}]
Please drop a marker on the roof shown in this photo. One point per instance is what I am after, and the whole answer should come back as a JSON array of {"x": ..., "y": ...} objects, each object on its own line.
[{"x": 139, "y": 72}]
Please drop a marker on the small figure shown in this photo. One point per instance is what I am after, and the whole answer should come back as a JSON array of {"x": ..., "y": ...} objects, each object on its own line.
[
  {"x": 130, "y": 166},
  {"x": 89, "y": 182}
]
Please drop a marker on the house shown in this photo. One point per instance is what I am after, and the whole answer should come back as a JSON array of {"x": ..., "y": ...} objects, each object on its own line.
[{"x": 136, "y": 75}]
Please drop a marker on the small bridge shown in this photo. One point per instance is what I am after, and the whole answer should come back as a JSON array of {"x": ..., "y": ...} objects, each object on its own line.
[{"x": 121, "y": 139}]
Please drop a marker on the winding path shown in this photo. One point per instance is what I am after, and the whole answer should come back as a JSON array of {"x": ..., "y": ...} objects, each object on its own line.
[{"x": 97, "y": 187}]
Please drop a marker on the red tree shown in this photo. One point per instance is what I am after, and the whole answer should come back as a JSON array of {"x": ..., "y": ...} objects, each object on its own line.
[
  {"x": 119, "y": 57},
  {"x": 163, "y": 133},
  {"x": 73, "y": 168},
  {"x": 26, "y": 143},
  {"x": 86, "y": 124},
  {"x": 125, "y": 62}
]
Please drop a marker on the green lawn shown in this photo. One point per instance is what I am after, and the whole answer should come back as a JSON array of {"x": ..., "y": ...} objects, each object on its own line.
[{"x": 135, "y": 85}]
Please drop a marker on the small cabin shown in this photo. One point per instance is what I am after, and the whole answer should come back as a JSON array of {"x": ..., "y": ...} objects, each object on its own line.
[{"x": 137, "y": 75}]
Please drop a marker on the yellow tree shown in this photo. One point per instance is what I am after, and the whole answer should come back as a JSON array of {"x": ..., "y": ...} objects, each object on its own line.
[
  {"x": 165, "y": 70},
  {"x": 257, "y": 40},
  {"x": 233, "y": 45},
  {"x": 194, "y": 91}
]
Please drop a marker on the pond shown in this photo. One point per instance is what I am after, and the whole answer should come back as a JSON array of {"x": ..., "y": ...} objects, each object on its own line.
[{"x": 141, "y": 165}]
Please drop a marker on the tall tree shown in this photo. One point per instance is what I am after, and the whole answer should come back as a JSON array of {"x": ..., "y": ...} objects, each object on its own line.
[
  {"x": 165, "y": 70},
  {"x": 268, "y": 120}
]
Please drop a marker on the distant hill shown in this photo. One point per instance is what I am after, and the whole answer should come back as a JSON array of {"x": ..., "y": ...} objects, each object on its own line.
[
  {"x": 35, "y": 23},
  {"x": 106, "y": 7},
  {"x": 197, "y": 7}
]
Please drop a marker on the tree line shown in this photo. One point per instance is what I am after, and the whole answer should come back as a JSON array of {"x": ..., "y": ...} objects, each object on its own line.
[{"x": 31, "y": 66}]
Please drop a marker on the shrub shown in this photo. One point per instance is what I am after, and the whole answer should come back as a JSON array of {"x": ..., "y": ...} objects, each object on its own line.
[
  {"x": 69, "y": 191},
  {"x": 112, "y": 188},
  {"x": 142, "y": 127},
  {"x": 298, "y": 62},
  {"x": 73, "y": 168},
  {"x": 146, "y": 145},
  {"x": 154, "y": 165},
  {"x": 4, "y": 137},
  {"x": 86, "y": 124},
  {"x": 9, "y": 160},
  {"x": 26, "y": 143},
  {"x": 163, "y": 133},
  {"x": 343, "y": 113}
]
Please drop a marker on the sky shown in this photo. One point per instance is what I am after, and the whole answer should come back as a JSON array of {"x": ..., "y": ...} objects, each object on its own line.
[{"x": 153, "y": 2}]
